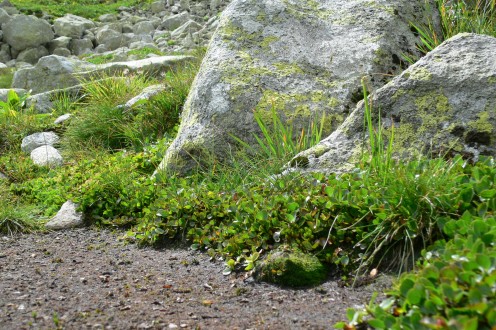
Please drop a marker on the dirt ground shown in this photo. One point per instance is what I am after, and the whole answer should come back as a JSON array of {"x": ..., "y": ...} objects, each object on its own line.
[{"x": 88, "y": 279}]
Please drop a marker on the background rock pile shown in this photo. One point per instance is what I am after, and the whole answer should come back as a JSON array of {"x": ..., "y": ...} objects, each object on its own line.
[{"x": 167, "y": 26}]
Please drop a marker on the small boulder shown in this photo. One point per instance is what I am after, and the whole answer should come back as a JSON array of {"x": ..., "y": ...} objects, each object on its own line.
[
  {"x": 109, "y": 37},
  {"x": 72, "y": 26},
  {"x": 33, "y": 141},
  {"x": 67, "y": 217},
  {"x": 46, "y": 156},
  {"x": 173, "y": 22},
  {"x": 291, "y": 268}
]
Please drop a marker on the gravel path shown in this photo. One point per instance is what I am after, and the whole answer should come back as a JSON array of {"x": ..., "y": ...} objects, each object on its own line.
[{"x": 88, "y": 279}]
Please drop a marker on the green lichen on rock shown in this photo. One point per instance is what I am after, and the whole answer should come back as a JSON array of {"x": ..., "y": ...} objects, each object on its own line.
[
  {"x": 305, "y": 9},
  {"x": 419, "y": 73},
  {"x": 482, "y": 124},
  {"x": 291, "y": 268}
]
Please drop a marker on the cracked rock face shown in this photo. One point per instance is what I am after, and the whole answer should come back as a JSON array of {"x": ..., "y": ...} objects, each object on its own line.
[
  {"x": 301, "y": 58},
  {"x": 442, "y": 105}
]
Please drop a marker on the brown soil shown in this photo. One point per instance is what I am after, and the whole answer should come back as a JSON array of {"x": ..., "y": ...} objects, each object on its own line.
[{"x": 88, "y": 279}]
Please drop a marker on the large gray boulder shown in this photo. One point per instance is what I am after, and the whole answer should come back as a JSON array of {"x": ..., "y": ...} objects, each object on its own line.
[
  {"x": 302, "y": 58},
  {"x": 51, "y": 72},
  {"x": 72, "y": 26},
  {"x": 55, "y": 72},
  {"x": 22, "y": 32},
  {"x": 442, "y": 105}
]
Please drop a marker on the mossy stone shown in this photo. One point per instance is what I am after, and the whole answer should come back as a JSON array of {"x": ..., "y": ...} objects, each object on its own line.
[{"x": 291, "y": 268}]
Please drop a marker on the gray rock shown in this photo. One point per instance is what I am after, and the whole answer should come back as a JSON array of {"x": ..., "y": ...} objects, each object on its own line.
[
  {"x": 23, "y": 32},
  {"x": 146, "y": 94},
  {"x": 32, "y": 55},
  {"x": 184, "y": 4},
  {"x": 442, "y": 105},
  {"x": 157, "y": 6},
  {"x": 145, "y": 27},
  {"x": 67, "y": 217},
  {"x": 46, "y": 156},
  {"x": 302, "y": 60},
  {"x": 107, "y": 18},
  {"x": 72, "y": 26},
  {"x": 36, "y": 140},
  {"x": 62, "y": 52},
  {"x": 55, "y": 72},
  {"x": 40, "y": 103},
  {"x": 188, "y": 27},
  {"x": 109, "y": 37},
  {"x": 81, "y": 46},
  {"x": 60, "y": 42},
  {"x": 51, "y": 72},
  {"x": 4, "y": 16},
  {"x": 3, "y": 176},
  {"x": 153, "y": 66},
  {"x": 173, "y": 22},
  {"x": 62, "y": 119}
]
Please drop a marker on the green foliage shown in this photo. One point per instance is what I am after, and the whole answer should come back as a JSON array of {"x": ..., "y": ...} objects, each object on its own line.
[
  {"x": 102, "y": 121},
  {"x": 110, "y": 188},
  {"x": 458, "y": 16},
  {"x": 278, "y": 142},
  {"x": 6, "y": 77},
  {"x": 85, "y": 8},
  {"x": 453, "y": 286},
  {"x": 10, "y": 109},
  {"x": 16, "y": 122},
  {"x": 142, "y": 53},
  {"x": 98, "y": 59},
  {"x": 16, "y": 217}
]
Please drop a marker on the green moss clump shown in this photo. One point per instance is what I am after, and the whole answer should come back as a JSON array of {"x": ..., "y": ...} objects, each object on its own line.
[{"x": 291, "y": 268}]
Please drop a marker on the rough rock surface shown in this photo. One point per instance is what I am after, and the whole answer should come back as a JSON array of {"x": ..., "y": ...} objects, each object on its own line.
[
  {"x": 51, "y": 72},
  {"x": 46, "y": 156},
  {"x": 33, "y": 141},
  {"x": 72, "y": 26},
  {"x": 443, "y": 104},
  {"x": 302, "y": 58},
  {"x": 67, "y": 217},
  {"x": 22, "y": 32},
  {"x": 147, "y": 93},
  {"x": 57, "y": 72}
]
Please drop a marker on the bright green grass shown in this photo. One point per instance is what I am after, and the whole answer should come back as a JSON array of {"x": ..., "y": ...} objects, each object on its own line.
[{"x": 85, "y": 8}]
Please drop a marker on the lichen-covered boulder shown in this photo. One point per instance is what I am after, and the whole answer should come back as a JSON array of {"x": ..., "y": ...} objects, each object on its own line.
[
  {"x": 291, "y": 268},
  {"x": 442, "y": 105},
  {"x": 72, "y": 26},
  {"x": 22, "y": 32},
  {"x": 303, "y": 58}
]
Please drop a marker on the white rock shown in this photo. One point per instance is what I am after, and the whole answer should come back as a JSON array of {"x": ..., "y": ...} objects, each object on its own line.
[
  {"x": 46, "y": 156},
  {"x": 66, "y": 217}
]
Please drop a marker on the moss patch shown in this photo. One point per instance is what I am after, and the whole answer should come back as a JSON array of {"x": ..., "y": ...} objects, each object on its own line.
[{"x": 291, "y": 268}]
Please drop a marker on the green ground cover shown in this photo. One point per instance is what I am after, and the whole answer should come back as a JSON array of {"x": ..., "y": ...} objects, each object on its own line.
[{"x": 431, "y": 219}]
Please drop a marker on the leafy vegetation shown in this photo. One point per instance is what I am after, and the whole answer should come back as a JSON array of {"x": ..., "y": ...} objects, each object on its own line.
[{"x": 432, "y": 217}]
